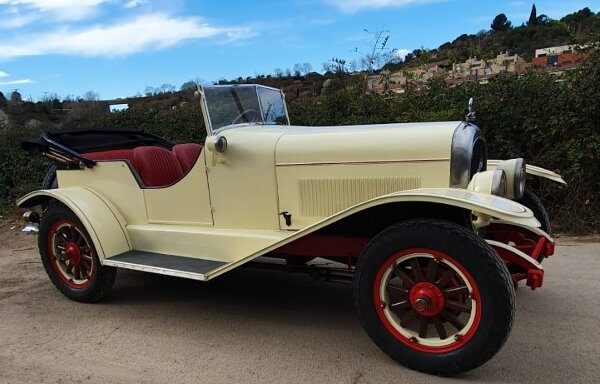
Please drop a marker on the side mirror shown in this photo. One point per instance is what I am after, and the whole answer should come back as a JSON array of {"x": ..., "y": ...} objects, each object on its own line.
[{"x": 216, "y": 144}]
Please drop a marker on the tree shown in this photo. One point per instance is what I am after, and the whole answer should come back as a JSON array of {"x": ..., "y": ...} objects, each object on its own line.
[
  {"x": 533, "y": 20},
  {"x": 278, "y": 72},
  {"x": 15, "y": 97},
  {"x": 297, "y": 69},
  {"x": 306, "y": 68},
  {"x": 335, "y": 65},
  {"x": 91, "y": 96},
  {"x": 167, "y": 88},
  {"x": 149, "y": 91},
  {"x": 3, "y": 101},
  {"x": 378, "y": 54},
  {"x": 543, "y": 19},
  {"x": 189, "y": 85},
  {"x": 501, "y": 23}
]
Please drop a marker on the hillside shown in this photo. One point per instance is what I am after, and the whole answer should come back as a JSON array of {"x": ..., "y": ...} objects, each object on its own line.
[{"x": 577, "y": 28}]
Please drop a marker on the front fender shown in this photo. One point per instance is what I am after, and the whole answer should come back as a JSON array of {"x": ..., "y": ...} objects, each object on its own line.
[
  {"x": 493, "y": 206},
  {"x": 533, "y": 170},
  {"x": 101, "y": 220}
]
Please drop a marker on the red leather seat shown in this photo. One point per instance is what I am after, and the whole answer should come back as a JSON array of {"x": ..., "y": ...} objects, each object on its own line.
[
  {"x": 156, "y": 166},
  {"x": 114, "y": 154},
  {"x": 187, "y": 154}
]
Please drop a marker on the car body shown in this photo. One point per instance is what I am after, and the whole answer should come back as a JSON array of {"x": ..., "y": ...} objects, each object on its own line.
[{"x": 265, "y": 193}]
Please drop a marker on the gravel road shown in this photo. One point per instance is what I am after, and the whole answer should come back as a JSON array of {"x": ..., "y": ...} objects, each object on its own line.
[{"x": 265, "y": 327}]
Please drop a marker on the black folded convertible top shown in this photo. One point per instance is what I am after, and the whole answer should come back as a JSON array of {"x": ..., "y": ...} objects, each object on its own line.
[
  {"x": 67, "y": 147},
  {"x": 80, "y": 141}
]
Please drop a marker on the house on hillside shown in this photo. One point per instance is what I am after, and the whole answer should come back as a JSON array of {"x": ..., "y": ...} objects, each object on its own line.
[
  {"x": 559, "y": 58},
  {"x": 483, "y": 70}
]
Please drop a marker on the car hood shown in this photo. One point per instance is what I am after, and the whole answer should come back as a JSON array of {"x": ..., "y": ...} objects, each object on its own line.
[{"x": 365, "y": 143}]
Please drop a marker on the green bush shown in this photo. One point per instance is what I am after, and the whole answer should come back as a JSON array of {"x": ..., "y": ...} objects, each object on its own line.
[{"x": 554, "y": 124}]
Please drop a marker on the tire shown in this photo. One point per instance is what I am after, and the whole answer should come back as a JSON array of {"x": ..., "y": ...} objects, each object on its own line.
[
  {"x": 531, "y": 201},
  {"x": 485, "y": 313},
  {"x": 69, "y": 256}
]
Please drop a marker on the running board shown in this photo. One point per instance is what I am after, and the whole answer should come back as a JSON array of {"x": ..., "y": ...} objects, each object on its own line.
[{"x": 186, "y": 267}]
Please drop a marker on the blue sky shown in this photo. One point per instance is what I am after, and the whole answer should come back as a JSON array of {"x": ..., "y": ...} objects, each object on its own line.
[{"x": 118, "y": 47}]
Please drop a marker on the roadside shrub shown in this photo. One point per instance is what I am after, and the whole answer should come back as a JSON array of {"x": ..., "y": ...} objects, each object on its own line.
[{"x": 553, "y": 124}]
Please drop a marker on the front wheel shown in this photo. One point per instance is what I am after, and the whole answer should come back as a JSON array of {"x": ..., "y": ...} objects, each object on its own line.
[
  {"x": 434, "y": 296},
  {"x": 531, "y": 201}
]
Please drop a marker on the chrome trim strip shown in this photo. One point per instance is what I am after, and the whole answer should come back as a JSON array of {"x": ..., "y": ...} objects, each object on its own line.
[{"x": 352, "y": 162}]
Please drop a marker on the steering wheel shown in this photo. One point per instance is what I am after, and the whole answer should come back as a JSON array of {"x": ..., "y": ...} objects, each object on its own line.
[{"x": 244, "y": 113}]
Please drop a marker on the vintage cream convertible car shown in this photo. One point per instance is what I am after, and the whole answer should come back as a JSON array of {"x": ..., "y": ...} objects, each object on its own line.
[{"x": 433, "y": 236}]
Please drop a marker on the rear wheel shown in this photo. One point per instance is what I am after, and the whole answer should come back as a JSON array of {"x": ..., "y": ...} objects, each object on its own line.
[
  {"x": 434, "y": 296},
  {"x": 69, "y": 256}
]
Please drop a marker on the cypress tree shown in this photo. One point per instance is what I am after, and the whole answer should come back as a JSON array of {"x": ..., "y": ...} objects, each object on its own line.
[{"x": 533, "y": 17}]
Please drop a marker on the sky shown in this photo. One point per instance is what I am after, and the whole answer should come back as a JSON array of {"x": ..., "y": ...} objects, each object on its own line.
[{"x": 117, "y": 48}]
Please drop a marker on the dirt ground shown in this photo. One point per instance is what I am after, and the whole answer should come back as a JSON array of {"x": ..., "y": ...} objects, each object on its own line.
[{"x": 266, "y": 327}]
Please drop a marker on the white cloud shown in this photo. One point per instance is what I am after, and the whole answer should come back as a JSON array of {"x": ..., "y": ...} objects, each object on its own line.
[
  {"x": 17, "y": 82},
  {"x": 145, "y": 32},
  {"x": 133, "y": 3},
  {"x": 28, "y": 11},
  {"x": 3, "y": 74},
  {"x": 401, "y": 53},
  {"x": 18, "y": 21},
  {"x": 358, "y": 5}
]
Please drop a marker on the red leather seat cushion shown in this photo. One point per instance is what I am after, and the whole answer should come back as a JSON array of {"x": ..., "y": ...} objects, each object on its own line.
[
  {"x": 156, "y": 166},
  {"x": 187, "y": 154},
  {"x": 114, "y": 154}
]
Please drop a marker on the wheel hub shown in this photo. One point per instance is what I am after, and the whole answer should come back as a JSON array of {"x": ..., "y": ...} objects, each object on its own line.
[
  {"x": 73, "y": 252},
  {"x": 427, "y": 299}
]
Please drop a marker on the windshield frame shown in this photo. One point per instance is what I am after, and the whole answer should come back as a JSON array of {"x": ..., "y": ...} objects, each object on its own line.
[{"x": 257, "y": 87}]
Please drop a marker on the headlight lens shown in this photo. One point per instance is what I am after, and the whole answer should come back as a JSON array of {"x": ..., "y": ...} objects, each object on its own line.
[
  {"x": 516, "y": 174},
  {"x": 520, "y": 178},
  {"x": 499, "y": 183}
]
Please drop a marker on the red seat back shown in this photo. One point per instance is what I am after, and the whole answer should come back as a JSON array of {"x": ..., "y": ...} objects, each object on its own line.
[
  {"x": 156, "y": 166},
  {"x": 114, "y": 154},
  {"x": 187, "y": 154}
]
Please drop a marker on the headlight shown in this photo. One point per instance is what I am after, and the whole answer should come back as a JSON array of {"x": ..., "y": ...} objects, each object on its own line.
[
  {"x": 492, "y": 182},
  {"x": 499, "y": 183},
  {"x": 468, "y": 155},
  {"x": 516, "y": 175}
]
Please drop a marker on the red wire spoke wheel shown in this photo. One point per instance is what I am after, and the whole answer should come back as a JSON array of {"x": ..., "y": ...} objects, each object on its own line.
[
  {"x": 70, "y": 258},
  {"x": 70, "y": 254},
  {"x": 427, "y": 300},
  {"x": 434, "y": 296}
]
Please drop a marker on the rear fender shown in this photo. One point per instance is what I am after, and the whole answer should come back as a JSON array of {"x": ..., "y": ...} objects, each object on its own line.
[
  {"x": 101, "y": 220},
  {"x": 534, "y": 171}
]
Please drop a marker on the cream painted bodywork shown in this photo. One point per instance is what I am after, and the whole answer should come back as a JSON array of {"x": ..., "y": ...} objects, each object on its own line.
[
  {"x": 534, "y": 171},
  {"x": 321, "y": 171},
  {"x": 228, "y": 207},
  {"x": 101, "y": 219}
]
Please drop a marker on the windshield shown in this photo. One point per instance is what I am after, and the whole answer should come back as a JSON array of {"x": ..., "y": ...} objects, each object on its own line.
[{"x": 239, "y": 104}]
